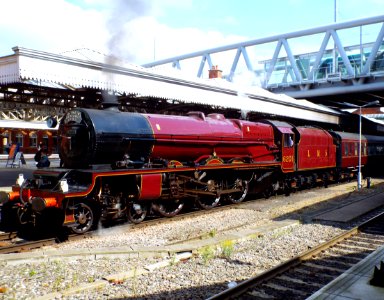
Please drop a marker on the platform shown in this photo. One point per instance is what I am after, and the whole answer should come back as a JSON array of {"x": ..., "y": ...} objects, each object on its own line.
[
  {"x": 351, "y": 211},
  {"x": 354, "y": 283}
]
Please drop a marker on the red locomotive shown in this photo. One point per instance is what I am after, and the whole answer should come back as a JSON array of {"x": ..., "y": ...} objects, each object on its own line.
[{"x": 119, "y": 165}]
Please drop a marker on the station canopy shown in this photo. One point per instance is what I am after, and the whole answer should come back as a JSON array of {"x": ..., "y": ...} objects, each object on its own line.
[{"x": 57, "y": 71}]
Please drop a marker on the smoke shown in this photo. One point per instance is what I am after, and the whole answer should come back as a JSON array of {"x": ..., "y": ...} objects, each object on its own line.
[
  {"x": 248, "y": 78},
  {"x": 122, "y": 44},
  {"x": 123, "y": 14}
]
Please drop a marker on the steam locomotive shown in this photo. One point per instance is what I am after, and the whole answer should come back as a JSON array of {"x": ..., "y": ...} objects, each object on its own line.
[{"x": 120, "y": 165}]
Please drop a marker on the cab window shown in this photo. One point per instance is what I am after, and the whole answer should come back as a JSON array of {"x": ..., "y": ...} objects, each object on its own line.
[{"x": 288, "y": 140}]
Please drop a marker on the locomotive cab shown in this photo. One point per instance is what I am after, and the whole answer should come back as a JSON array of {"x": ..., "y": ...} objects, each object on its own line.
[{"x": 285, "y": 138}]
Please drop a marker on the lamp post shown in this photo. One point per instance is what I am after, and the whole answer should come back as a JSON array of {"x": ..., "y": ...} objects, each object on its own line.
[{"x": 360, "y": 107}]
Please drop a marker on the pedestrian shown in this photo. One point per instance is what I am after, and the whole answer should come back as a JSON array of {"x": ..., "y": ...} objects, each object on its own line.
[
  {"x": 38, "y": 153},
  {"x": 44, "y": 161},
  {"x": 8, "y": 147},
  {"x": 17, "y": 147}
]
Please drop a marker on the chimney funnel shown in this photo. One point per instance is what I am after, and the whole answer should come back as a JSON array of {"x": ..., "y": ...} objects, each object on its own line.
[{"x": 215, "y": 72}]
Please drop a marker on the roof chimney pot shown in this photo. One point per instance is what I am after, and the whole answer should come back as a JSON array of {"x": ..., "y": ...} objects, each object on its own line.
[{"x": 215, "y": 72}]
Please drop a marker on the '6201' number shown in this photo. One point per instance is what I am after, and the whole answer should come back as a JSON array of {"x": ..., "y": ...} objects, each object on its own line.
[{"x": 288, "y": 159}]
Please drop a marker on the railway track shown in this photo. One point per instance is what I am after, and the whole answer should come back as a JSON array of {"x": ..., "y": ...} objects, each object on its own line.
[
  {"x": 305, "y": 274},
  {"x": 7, "y": 236},
  {"x": 25, "y": 245},
  {"x": 9, "y": 245}
]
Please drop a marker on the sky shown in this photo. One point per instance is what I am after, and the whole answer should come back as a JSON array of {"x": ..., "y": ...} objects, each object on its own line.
[{"x": 142, "y": 31}]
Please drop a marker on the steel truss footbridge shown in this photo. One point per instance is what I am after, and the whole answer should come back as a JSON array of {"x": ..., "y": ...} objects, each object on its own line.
[{"x": 339, "y": 62}]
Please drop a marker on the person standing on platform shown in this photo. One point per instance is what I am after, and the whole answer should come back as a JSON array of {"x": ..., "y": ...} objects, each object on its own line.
[
  {"x": 44, "y": 161},
  {"x": 38, "y": 153}
]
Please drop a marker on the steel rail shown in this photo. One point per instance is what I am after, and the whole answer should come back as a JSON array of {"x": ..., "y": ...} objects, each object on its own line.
[
  {"x": 6, "y": 236},
  {"x": 242, "y": 287},
  {"x": 29, "y": 245}
]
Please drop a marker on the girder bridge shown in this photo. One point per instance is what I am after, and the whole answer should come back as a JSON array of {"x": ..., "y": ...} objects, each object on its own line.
[{"x": 343, "y": 61}]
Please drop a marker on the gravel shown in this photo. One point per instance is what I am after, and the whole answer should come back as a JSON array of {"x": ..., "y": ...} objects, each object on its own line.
[{"x": 207, "y": 272}]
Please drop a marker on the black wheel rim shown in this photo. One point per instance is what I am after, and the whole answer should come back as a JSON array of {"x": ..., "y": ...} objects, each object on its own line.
[
  {"x": 169, "y": 209},
  {"x": 137, "y": 213},
  {"x": 83, "y": 217},
  {"x": 239, "y": 196}
]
